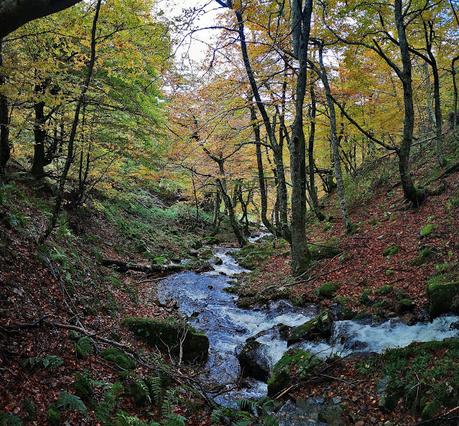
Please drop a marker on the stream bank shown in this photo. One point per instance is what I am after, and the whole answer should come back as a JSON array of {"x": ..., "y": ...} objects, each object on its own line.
[{"x": 204, "y": 300}]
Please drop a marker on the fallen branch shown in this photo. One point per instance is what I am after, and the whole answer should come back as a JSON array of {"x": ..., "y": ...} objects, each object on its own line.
[{"x": 122, "y": 266}]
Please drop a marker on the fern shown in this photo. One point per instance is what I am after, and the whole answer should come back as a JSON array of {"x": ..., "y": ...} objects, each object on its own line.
[
  {"x": 174, "y": 420},
  {"x": 248, "y": 405},
  {"x": 67, "y": 401},
  {"x": 124, "y": 419},
  {"x": 47, "y": 361},
  {"x": 106, "y": 408}
]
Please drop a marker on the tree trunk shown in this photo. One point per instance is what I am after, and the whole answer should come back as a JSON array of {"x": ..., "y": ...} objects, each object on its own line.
[
  {"x": 229, "y": 206},
  {"x": 410, "y": 191},
  {"x": 334, "y": 144},
  {"x": 39, "y": 158},
  {"x": 312, "y": 134},
  {"x": 217, "y": 202},
  {"x": 73, "y": 132},
  {"x": 301, "y": 24},
  {"x": 282, "y": 187},
  {"x": 455, "y": 92},
  {"x": 261, "y": 173},
  {"x": 4, "y": 123}
]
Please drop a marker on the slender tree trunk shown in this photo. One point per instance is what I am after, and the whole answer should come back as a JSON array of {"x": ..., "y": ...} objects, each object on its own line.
[
  {"x": 38, "y": 162},
  {"x": 229, "y": 205},
  {"x": 261, "y": 173},
  {"x": 430, "y": 114},
  {"x": 455, "y": 93},
  {"x": 312, "y": 176},
  {"x": 4, "y": 123},
  {"x": 301, "y": 24},
  {"x": 73, "y": 132},
  {"x": 282, "y": 187},
  {"x": 410, "y": 191},
  {"x": 334, "y": 144},
  {"x": 217, "y": 203},
  {"x": 438, "y": 114}
]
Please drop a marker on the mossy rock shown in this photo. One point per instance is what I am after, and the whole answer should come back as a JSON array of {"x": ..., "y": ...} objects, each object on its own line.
[
  {"x": 328, "y": 289},
  {"x": 166, "y": 335},
  {"x": 405, "y": 305},
  {"x": 443, "y": 296},
  {"x": 332, "y": 415},
  {"x": 84, "y": 347},
  {"x": 426, "y": 230},
  {"x": 119, "y": 358},
  {"x": 295, "y": 364},
  {"x": 391, "y": 250},
  {"x": 365, "y": 299},
  {"x": 384, "y": 290},
  {"x": 315, "y": 328}
]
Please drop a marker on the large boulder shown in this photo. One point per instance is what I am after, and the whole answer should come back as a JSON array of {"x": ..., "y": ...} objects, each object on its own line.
[
  {"x": 319, "y": 327},
  {"x": 443, "y": 297},
  {"x": 254, "y": 360},
  {"x": 167, "y": 335}
]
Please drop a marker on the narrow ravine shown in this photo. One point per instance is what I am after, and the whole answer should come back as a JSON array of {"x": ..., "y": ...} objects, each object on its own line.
[{"x": 202, "y": 299}]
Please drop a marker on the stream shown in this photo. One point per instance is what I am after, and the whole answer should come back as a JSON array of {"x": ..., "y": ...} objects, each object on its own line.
[{"x": 202, "y": 298}]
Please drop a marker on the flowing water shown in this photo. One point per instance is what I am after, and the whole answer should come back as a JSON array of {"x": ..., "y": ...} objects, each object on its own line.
[{"x": 202, "y": 298}]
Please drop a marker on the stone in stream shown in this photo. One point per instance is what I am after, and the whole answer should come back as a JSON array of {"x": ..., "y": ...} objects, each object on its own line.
[
  {"x": 319, "y": 327},
  {"x": 254, "y": 360},
  {"x": 166, "y": 335}
]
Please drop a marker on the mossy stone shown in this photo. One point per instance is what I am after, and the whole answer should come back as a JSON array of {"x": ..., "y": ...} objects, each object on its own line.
[
  {"x": 442, "y": 297},
  {"x": 328, "y": 289},
  {"x": 167, "y": 334},
  {"x": 384, "y": 290},
  {"x": 426, "y": 230},
  {"x": 84, "y": 347},
  {"x": 119, "y": 358},
  {"x": 391, "y": 250}
]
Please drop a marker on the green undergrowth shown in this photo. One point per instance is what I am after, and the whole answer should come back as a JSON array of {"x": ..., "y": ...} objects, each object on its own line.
[
  {"x": 155, "y": 231},
  {"x": 430, "y": 380}
]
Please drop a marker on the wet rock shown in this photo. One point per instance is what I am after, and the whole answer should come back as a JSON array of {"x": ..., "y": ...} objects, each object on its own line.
[
  {"x": 254, "y": 360},
  {"x": 443, "y": 297},
  {"x": 303, "y": 413},
  {"x": 332, "y": 415},
  {"x": 319, "y": 327},
  {"x": 405, "y": 305},
  {"x": 166, "y": 335}
]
